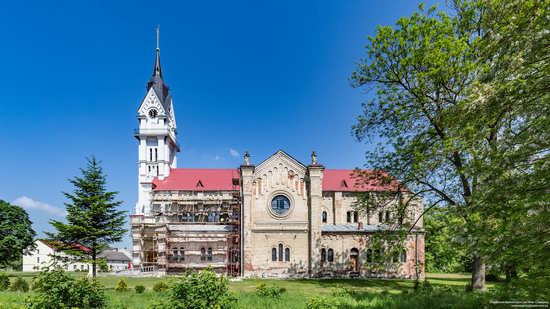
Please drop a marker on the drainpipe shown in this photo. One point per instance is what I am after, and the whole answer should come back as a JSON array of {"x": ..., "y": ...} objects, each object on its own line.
[{"x": 416, "y": 255}]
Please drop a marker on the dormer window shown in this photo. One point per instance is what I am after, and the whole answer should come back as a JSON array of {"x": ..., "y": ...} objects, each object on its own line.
[{"x": 344, "y": 184}]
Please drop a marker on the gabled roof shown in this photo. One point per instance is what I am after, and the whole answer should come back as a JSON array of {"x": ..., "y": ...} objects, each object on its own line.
[
  {"x": 111, "y": 255},
  {"x": 53, "y": 245},
  {"x": 198, "y": 179},
  {"x": 357, "y": 181}
]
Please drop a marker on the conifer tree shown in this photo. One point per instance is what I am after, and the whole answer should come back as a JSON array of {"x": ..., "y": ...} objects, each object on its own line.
[{"x": 93, "y": 218}]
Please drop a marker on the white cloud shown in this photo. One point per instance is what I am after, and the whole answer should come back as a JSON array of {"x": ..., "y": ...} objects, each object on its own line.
[
  {"x": 217, "y": 158},
  {"x": 234, "y": 153},
  {"x": 28, "y": 204}
]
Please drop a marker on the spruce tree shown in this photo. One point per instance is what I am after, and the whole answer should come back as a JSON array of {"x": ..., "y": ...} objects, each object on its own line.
[{"x": 93, "y": 218}]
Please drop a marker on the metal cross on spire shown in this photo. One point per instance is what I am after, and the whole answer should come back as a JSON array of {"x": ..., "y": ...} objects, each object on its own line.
[{"x": 158, "y": 37}]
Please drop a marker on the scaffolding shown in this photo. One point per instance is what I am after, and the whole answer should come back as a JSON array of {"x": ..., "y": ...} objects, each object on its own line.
[{"x": 191, "y": 233}]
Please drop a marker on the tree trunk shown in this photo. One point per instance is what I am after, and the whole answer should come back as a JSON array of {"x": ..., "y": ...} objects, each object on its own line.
[
  {"x": 478, "y": 274},
  {"x": 93, "y": 261}
]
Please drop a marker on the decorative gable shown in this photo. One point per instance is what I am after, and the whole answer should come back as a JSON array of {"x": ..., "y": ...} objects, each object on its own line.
[
  {"x": 151, "y": 101},
  {"x": 280, "y": 172}
]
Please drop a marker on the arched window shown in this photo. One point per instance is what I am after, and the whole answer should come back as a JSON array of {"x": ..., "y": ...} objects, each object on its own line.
[
  {"x": 348, "y": 217},
  {"x": 203, "y": 254},
  {"x": 380, "y": 217},
  {"x": 323, "y": 255},
  {"x": 369, "y": 255},
  {"x": 387, "y": 216},
  {"x": 210, "y": 254},
  {"x": 330, "y": 256},
  {"x": 182, "y": 253},
  {"x": 403, "y": 256},
  {"x": 156, "y": 154},
  {"x": 324, "y": 217},
  {"x": 355, "y": 217},
  {"x": 287, "y": 255},
  {"x": 280, "y": 252},
  {"x": 273, "y": 254},
  {"x": 150, "y": 154}
]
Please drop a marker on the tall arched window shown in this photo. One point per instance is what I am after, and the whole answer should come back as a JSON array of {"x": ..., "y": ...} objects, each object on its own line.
[
  {"x": 323, "y": 255},
  {"x": 355, "y": 217},
  {"x": 150, "y": 154},
  {"x": 287, "y": 255},
  {"x": 387, "y": 216},
  {"x": 182, "y": 253},
  {"x": 330, "y": 256},
  {"x": 203, "y": 254},
  {"x": 280, "y": 252},
  {"x": 380, "y": 217},
  {"x": 348, "y": 217},
  {"x": 324, "y": 217},
  {"x": 403, "y": 256},
  {"x": 273, "y": 254},
  {"x": 156, "y": 154},
  {"x": 210, "y": 254}
]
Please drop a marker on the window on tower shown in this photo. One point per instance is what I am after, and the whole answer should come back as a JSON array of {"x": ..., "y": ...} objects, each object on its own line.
[
  {"x": 156, "y": 154},
  {"x": 150, "y": 154}
]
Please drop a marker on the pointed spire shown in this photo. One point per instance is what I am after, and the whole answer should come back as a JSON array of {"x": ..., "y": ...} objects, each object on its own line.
[
  {"x": 157, "y": 71},
  {"x": 156, "y": 82}
]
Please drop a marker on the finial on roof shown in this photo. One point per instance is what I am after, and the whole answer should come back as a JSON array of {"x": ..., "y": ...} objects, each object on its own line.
[
  {"x": 157, "y": 71},
  {"x": 246, "y": 158},
  {"x": 313, "y": 158}
]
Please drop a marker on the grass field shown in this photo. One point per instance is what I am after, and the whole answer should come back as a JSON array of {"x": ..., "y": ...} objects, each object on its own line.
[{"x": 368, "y": 293}]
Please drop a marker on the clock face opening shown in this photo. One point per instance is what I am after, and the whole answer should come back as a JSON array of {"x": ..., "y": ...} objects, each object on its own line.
[{"x": 153, "y": 113}]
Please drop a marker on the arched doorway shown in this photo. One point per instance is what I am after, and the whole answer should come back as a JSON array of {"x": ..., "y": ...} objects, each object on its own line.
[{"x": 354, "y": 259}]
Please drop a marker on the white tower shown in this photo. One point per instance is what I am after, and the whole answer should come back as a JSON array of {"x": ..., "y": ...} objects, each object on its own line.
[{"x": 156, "y": 135}]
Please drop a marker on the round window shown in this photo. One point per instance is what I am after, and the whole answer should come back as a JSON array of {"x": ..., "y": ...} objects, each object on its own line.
[{"x": 280, "y": 205}]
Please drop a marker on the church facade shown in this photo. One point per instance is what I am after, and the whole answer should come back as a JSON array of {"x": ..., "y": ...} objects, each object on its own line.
[{"x": 277, "y": 218}]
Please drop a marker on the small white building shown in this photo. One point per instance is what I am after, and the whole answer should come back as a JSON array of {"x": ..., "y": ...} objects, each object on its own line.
[
  {"x": 117, "y": 259},
  {"x": 43, "y": 255}
]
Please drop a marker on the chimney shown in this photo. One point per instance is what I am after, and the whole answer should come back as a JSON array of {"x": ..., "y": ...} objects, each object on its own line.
[{"x": 359, "y": 225}]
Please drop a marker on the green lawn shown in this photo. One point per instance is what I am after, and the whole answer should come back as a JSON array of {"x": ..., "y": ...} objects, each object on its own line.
[{"x": 369, "y": 293}]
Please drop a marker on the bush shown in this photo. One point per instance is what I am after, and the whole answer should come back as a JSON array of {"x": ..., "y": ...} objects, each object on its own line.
[
  {"x": 424, "y": 287},
  {"x": 322, "y": 303},
  {"x": 272, "y": 291},
  {"x": 202, "y": 290},
  {"x": 139, "y": 289},
  {"x": 122, "y": 286},
  {"x": 56, "y": 289},
  {"x": 160, "y": 287},
  {"x": 4, "y": 282},
  {"x": 20, "y": 285}
]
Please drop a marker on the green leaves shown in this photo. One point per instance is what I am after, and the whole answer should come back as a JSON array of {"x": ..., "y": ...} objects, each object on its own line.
[{"x": 16, "y": 233}]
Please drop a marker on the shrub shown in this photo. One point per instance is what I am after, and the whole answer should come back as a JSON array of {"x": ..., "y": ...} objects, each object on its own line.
[
  {"x": 424, "y": 287},
  {"x": 202, "y": 290},
  {"x": 160, "y": 287},
  {"x": 56, "y": 289},
  {"x": 322, "y": 303},
  {"x": 122, "y": 286},
  {"x": 4, "y": 282},
  {"x": 139, "y": 289},
  {"x": 272, "y": 291},
  {"x": 20, "y": 285}
]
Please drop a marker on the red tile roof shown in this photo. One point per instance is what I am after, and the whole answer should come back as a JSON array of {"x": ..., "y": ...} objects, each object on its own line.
[
  {"x": 57, "y": 245},
  {"x": 198, "y": 179},
  {"x": 357, "y": 181}
]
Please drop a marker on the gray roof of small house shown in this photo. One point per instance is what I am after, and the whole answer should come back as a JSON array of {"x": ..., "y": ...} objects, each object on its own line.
[{"x": 114, "y": 256}]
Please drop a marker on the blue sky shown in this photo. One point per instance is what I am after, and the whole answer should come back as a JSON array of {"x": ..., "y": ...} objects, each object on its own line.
[{"x": 245, "y": 75}]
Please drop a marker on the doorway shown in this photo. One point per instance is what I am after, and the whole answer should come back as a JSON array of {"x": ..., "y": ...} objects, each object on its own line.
[{"x": 354, "y": 259}]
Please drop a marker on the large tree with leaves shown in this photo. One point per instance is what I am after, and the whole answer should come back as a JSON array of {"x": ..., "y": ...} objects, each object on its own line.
[
  {"x": 16, "y": 234},
  {"x": 450, "y": 105},
  {"x": 93, "y": 217}
]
